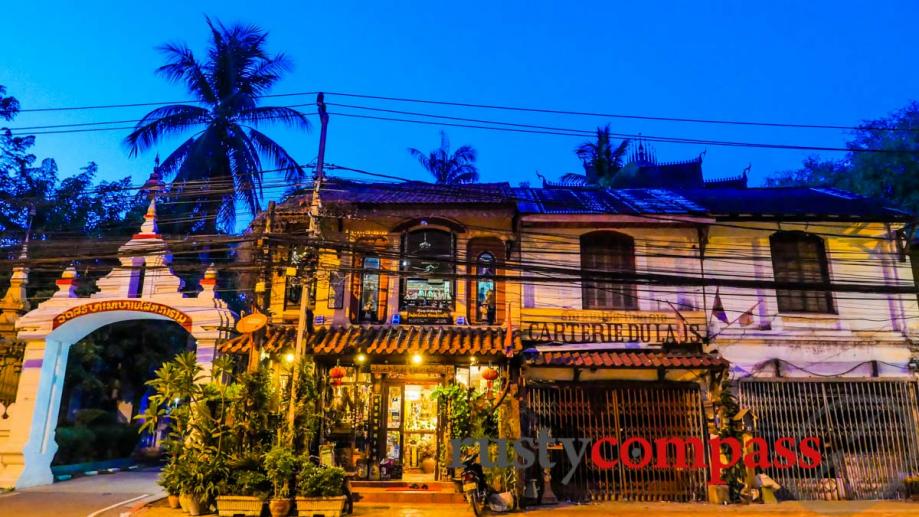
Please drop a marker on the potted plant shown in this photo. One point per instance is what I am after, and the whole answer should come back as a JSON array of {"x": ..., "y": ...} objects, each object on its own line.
[
  {"x": 320, "y": 490},
  {"x": 428, "y": 461},
  {"x": 280, "y": 465},
  {"x": 244, "y": 494},
  {"x": 169, "y": 480}
]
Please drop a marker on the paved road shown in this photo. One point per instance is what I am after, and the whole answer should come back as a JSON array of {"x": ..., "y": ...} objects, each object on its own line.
[
  {"x": 108, "y": 495},
  {"x": 789, "y": 509}
]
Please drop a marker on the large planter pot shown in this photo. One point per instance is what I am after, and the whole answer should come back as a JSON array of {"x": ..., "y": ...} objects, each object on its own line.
[
  {"x": 230, "y": 505},
  {"x": 428, "y": 465},
  {"x": 279, "y": 507},
  {"x": 173, "y": 501},
  {"x": 194, "y": 505},
  {"x": 327, "y": 506},
  {"x": 183, "y": 502}
]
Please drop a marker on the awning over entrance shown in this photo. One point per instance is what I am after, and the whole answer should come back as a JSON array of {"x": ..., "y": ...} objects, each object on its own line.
[
  {"x": 391, "y": 340},
  {"x": 629, "y": 359}
]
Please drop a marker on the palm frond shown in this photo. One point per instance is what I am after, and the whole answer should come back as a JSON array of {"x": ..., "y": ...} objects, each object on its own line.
[
  {"x": 293, "y": 172},
  {"x": 163, "y": 121},
  {"x": 287, "y": 116},
  {"x": 183, "y": 66}
]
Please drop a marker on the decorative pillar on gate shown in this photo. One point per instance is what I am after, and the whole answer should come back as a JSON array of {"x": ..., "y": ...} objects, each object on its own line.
[{"x": 141, "y": 287}]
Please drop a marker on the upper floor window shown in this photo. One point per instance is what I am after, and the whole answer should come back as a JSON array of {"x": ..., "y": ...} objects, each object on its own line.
[
  {"x": 801, "y": 258},
  {"x": 486, "y": 289},
  {"x": 607, "y": 252},
  {"x": 369, "y": 311},
  {"x": 427, "y": 263}
]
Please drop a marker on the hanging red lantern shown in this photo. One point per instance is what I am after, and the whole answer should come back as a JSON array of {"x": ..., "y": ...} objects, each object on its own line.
[
  {"x": 490, "y": 374},
  {"x": 337, "y": 373}
]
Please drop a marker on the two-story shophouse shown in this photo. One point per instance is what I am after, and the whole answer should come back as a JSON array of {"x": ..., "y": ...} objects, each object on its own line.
[
  {"x": 634, "y": 301},
  {"x": 413, "y": 292},
  {"x": 821, "y": 342}
]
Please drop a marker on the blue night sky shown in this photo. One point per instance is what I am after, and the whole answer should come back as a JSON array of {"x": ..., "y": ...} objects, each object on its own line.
[{"x": 824, "y": 62}]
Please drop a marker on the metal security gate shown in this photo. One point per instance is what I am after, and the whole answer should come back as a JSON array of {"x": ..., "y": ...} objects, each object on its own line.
[
  {"x": 622, "y": 410},
  {"x": 868, "y": 428}
]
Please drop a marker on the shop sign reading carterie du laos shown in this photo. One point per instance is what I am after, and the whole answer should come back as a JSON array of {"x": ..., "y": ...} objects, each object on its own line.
[
  {"x": 597, "y": 326},
  {"x": 123, "y": 305}
]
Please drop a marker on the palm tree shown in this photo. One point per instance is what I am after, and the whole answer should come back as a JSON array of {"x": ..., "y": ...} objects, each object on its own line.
[
  {"x": 449, "y": 169},
  {"x": 600, "y": 160},
  {"x": 221, "y": 162}
]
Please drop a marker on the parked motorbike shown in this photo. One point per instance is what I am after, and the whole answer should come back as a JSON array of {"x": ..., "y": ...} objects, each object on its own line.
[{"x": 476, "y": 490}]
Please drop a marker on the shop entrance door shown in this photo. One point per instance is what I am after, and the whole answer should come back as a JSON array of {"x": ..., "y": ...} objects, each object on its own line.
[{"x": 411, "y": 429}]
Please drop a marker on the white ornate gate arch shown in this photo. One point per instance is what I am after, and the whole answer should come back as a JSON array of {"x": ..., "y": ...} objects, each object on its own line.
[{"x": 141, "y": 287}]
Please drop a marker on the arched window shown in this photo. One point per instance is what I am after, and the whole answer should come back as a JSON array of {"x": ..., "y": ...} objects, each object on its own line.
[
  {"x": 370, "y": 290},
  {"x": 427, "y": 263},
  {"x": 607, "y": 252},
  {"x": 801, "y": 258},
  {"x": 485, "y": 289}
]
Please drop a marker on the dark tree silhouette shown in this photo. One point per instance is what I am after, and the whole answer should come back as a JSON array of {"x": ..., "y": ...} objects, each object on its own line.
[
  {"x": 222, "y": 161},
  {"x": 449, "y": 169},
  {"x": 601, "y": 161}
]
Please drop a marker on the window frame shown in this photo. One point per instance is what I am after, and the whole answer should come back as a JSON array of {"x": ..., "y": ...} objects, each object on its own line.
[
  {"x": 625, "y": 293},
  {"x": 790, "y": 301},
  {"x": 405, "y": 261}
]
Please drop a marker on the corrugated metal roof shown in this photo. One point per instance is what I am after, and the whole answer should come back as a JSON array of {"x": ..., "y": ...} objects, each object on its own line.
[{"x": 800, "y": 202}]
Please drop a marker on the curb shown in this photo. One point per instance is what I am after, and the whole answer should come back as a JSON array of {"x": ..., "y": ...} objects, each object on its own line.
[{"x": 140, "y": 505}]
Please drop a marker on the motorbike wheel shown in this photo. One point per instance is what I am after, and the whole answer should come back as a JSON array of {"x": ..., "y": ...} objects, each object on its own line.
[{"x": 477, "y": 502}]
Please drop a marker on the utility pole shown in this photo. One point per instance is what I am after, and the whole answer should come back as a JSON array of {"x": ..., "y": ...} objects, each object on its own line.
[{"x": 311, "y": 259}]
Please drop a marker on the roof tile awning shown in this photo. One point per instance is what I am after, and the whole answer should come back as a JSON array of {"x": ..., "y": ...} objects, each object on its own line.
[
  {"x": 389, "y": 340},
  {"x": 629, "y": 359}
]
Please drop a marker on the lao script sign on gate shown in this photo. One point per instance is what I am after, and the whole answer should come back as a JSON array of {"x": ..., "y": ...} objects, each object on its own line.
[{"x": 123, "y": 305}]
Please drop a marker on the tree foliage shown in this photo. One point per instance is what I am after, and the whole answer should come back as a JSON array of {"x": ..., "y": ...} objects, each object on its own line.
[
  {"x": 882, "y": 162},
  {"x": 449, "y": 168},
  {"x": 221, "y": 162},
  {"x": 68, "y": 219},
  {"x": 600, "y": 159}
]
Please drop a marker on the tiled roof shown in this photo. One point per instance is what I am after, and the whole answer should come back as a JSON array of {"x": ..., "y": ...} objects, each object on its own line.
[
  {"x": 389, "y": 340},
  {"x": 789, "y": 202},
  {"x": 628, "y": 359},
  {"x": 417, "y": 192}
]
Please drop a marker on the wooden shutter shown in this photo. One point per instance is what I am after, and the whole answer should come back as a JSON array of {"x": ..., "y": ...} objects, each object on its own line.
[
  {"x": 355, "y": 305},
  {"x": 607, "y": 252},
  {"x": 799, "y": 257},
  {"x": 386, "y": 268}
]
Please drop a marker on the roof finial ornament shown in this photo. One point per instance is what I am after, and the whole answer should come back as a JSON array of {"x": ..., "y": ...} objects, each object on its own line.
[
  {"x": 746, "y": 170},
  {"x": 154, "y": 184}
]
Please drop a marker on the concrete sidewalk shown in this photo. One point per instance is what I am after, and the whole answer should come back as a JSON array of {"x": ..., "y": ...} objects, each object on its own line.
[{"x": 787, "y": 509}]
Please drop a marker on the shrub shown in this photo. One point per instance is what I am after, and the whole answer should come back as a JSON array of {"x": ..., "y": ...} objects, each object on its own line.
[
  {"x": 280, "y": 464},
  {"x": 316, "y": 481},
  {"x": 81, "y": 444},
  {"x": 75, "y": 444}
]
